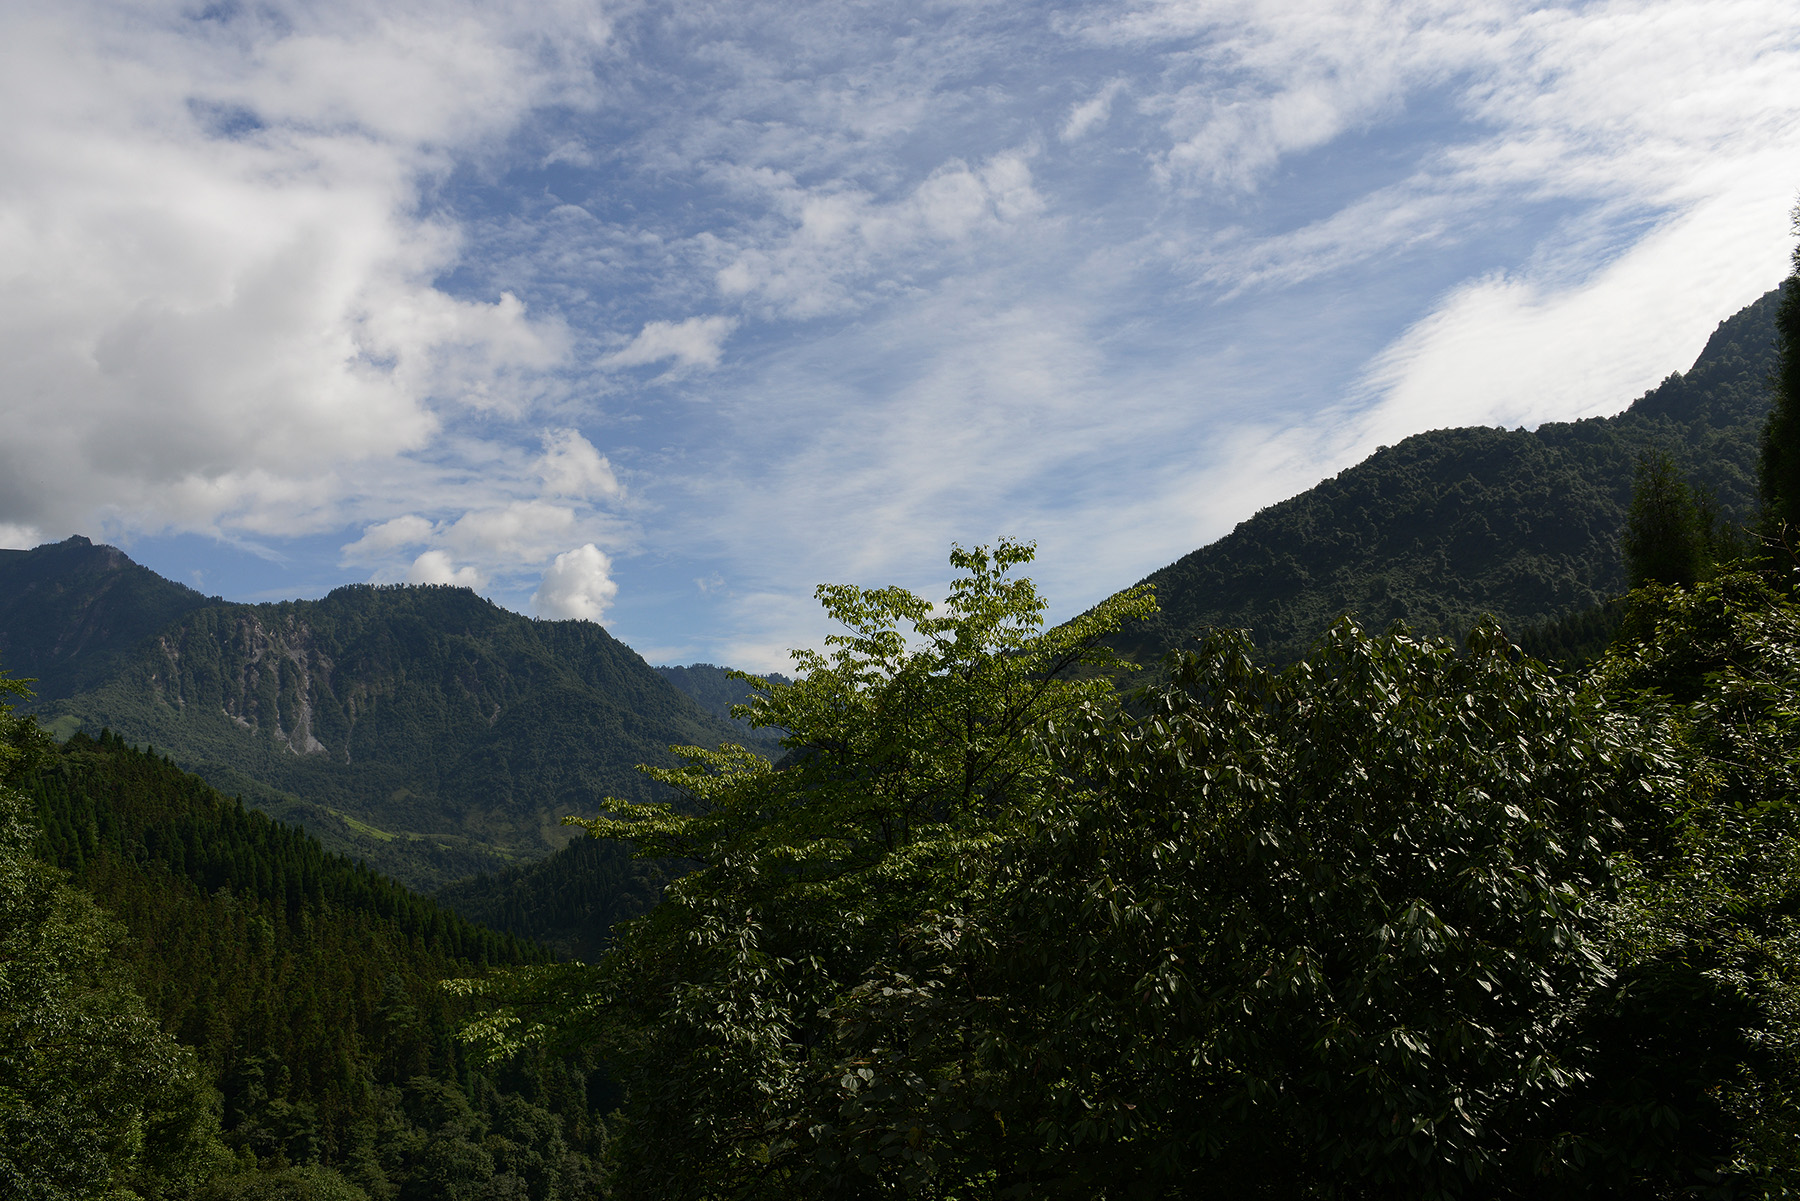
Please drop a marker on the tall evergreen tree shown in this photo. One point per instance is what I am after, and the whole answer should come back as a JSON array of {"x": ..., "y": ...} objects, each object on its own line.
[
  {"x": 1779, "y": 475},
  {"x": 1665, "y": 539}
]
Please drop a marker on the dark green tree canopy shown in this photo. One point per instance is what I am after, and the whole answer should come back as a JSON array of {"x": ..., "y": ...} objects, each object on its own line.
[
  {"x": 1665, "y": 540},
  {"x": 1779, "y": 468},
  {"x": 1398, "y": 920}
]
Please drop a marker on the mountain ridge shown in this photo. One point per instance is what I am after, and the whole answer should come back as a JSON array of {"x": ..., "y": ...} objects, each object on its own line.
[
  {"x": 423, "y": 728},
  {"x": 1449, "y": 525}
]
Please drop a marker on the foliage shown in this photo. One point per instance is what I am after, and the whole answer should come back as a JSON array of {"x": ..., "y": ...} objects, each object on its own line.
[
  {"x": 1397, "y": 920},
  {"x": 1698, "y": 1043},
  {"x": 72, "y": 614},
  {"x": 306, "y": 989},
  {"x": 1664, "y": 541},
  {"x": 718, "y": 690},
  {"x": 1779, "y": 466},
  {"x": 1575, "y": 639},
  {"x": 568, "y": 902},
  {"x": 95, "y": 1100},
  {"x": 914, "y": 743},
  {"x": 309, "y": 1182},
  {"x": 23, "y": 745},
  {"x": 1317, "y": 933}
]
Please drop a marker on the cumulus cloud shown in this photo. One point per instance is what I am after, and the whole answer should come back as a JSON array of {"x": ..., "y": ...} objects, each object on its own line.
[
  {"x": 384, "y": 537},
  {"x": 525, "y": 531},
  {"x": 572, "y": 467},
  {"x": 577, "y": 586},
  {"x": 696, "y": 342},
  {"x": 287, "y": 269},
  {"x": 220, "y": 299},
  {"x": 18, "y": 537},
  {"x": 436, "y": 567}
]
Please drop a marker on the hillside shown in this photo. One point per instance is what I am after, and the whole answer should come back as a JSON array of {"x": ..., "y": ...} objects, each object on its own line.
[
  {"x": 309, "y": 987},
  {"x": 1450, "y": 525},
  {"x": 568, "y": 901},
  {"x": 1436, "y": 531},
  {"x": 424, "y": 729},
  {"x": 712, "y": 688}
]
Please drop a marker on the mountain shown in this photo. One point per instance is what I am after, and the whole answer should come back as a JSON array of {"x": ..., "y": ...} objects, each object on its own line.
[
  {"x": 570, "y": 900},
  {"x": 1450, "y": 525},
  {"x": 567, "y": 901},
  {"x": 715, "y": 691},
  {"x": 424, "y": 729},
  {"x": 1436, "y": 531},
  {"x": 72, "y": 613}
]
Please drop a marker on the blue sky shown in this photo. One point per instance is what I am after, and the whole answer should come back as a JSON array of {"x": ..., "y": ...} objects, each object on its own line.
[{"x": 662, "y": 314}]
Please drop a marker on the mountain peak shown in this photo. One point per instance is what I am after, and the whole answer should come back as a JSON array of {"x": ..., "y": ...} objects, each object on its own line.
[{"x": 70, "y": 611}]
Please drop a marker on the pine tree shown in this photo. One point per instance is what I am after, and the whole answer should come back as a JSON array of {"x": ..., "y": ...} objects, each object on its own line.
[
  {"x": 1665, "y": 538},
  {"x": 1779, "y": 473}
]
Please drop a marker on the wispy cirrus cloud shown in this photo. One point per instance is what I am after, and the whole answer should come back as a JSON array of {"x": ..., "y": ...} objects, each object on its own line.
[{"x": 582, "y": 302}]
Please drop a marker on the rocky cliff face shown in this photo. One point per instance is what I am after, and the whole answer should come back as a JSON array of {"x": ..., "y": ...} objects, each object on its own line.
[{"x": 271, "y": 673}]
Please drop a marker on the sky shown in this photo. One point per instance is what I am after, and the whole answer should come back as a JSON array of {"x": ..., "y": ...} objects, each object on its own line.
[{"x": 662, "y": 314}]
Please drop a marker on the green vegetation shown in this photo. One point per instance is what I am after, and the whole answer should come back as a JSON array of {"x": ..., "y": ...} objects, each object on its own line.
[
  {"x": 1779, "y": 474},
  {"x": 1402, "y": 917},
  {"x": 1664, "y": 541},
  {"x": 72, "y": 614},
  {"x": 93, "y": 1093},
  {"x": 1397, "y": 920},
  {"x": 1452, "y": 525},
  {"x": 292, "y": 1000},
  {"x": 568, "y": 902},
  {"x": 718, "y": 690}
]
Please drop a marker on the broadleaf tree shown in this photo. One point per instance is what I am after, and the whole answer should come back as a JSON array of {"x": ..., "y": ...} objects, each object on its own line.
[
  {"x": 919, "y": 737},
  {"x": 1402, "y": 919}
]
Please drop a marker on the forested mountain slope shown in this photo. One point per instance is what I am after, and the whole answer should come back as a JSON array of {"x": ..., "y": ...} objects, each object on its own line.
[
  {"x": 1439, "y": 530},
  {"x": 309, "y": 986},
  {"x": 1450, "y": 525},
  {"x": 568, "y": 901},
  {"x": 713, "y": 689},
  {"x": 72, "y": 612},
  {"x": 424, "y": 729}
]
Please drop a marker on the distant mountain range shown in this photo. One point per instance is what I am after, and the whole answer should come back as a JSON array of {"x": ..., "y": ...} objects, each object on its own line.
[{"x": 423, "y": 729}]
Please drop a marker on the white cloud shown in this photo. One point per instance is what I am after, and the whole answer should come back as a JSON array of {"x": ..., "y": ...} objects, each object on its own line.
[
  {"x": 578, "y": 586},
  {"x": 1111, "y": 279},
  {"x": 1092, "y": 112},
  {"x": 19, "y": 537},
  {"x": 525, "y": 531},
  {"x": 220, "y": 309},
  {"x": 436, "y": 567},
  {"x": 696, "y": 342},
  {"x": 1518, "y": 350},
  {"x": 381, "y": 539},
  {"x": 572, "y": 467},
  {"x": 843, "y": 240}
]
